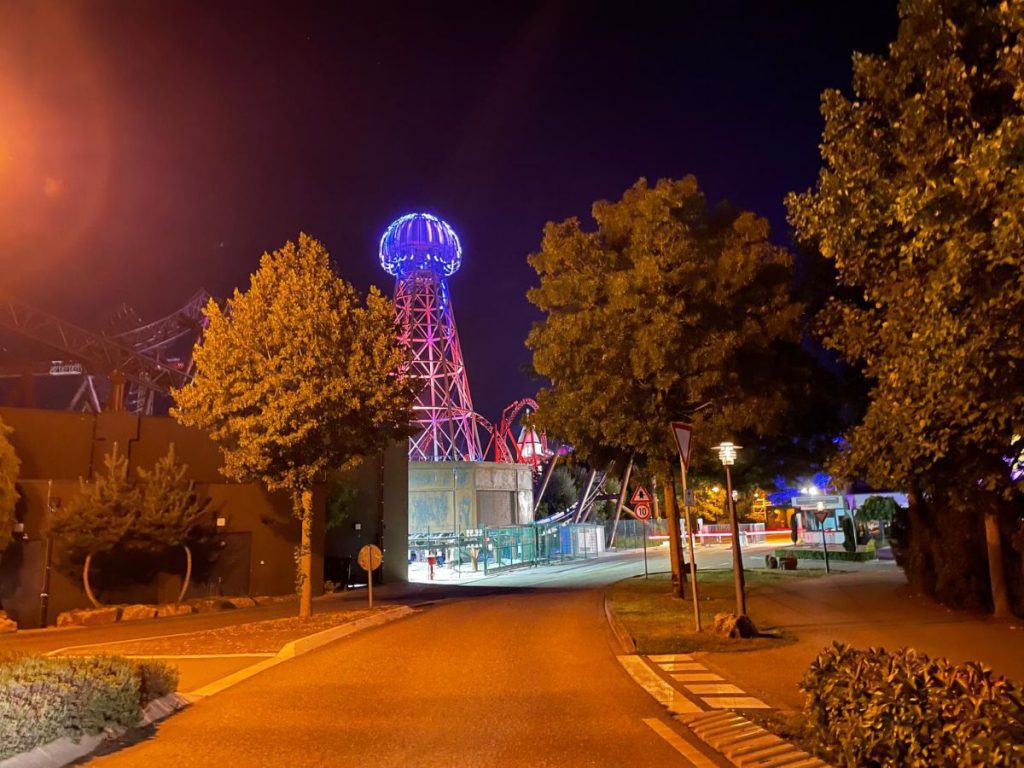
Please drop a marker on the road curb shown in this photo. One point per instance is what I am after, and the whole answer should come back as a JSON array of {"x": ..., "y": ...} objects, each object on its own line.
[
  {"x": 626, "y": 643},
  {"x": 297, "y": 648}
]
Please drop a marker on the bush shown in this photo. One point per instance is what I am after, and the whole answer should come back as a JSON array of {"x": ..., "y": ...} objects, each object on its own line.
[
  {"x": 45, "y": 698},
  {"x": 156, "y": 679},
  {"x": 873, "y": 708}
]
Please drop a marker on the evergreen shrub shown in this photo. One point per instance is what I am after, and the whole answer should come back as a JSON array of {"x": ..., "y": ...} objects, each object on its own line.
[
  {"x": 874, "y": 708},
  {"x": 44, "y": 698}
]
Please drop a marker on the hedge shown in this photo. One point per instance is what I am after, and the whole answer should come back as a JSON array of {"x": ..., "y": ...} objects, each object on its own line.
[
  {"x": 873, "y": 708},
  {"x": 44, "y": 698},
  {"x": 833, "y": 554}
]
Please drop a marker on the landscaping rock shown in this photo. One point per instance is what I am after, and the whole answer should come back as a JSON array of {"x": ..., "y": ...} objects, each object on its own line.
[
  {"x": 138, "y": 612},
  {"x": 208, "y": 604},
  {"x": 271, "y": 599},
  {"x": 242, "y": 602},
  {"x": 173, "y": 609},
  {"x": 88, "y": 617},
  {"x": 7, "y": 624},
  {"x": 731, "y": 626}
]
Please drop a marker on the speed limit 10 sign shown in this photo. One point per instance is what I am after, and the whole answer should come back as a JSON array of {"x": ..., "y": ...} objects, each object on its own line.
[{"x": 642, "y": 511}]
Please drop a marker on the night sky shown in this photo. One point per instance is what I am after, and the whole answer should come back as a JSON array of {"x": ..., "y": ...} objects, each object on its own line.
[{"x": 151, "y": 148}]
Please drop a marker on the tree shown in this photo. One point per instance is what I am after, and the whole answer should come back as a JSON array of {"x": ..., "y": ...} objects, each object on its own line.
[
  {"x": 10, "y": 466},
  {"x": 298, "y": 377},
  {"x": 96, "y": 519},
  {"x": 920, "y": 203},
  {"x": 666, "y": 306},
  {"x": 560, "y": 494},
  {"x": 880, "y": 508},
  {"x": 169, "y": 512}
]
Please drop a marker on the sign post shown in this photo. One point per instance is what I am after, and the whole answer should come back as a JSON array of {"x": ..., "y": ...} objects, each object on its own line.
[
  {"x": 682, "y": 433},
  {"x": 370, "y": 558},
  {"x": 822, "y": 515},
  {"x": 641, "y": 501}
]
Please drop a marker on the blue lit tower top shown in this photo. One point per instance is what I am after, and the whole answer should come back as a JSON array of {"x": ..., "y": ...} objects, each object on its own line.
[{"x": 418, "y": 242}]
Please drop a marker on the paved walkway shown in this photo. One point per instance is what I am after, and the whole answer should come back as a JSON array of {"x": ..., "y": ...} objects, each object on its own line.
[{"x": 871, "y": 607}]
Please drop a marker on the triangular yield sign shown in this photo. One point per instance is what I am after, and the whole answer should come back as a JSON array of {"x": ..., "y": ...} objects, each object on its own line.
[
  {"x": 640, "y": 496},
  {"x": 682, "y": 433}
]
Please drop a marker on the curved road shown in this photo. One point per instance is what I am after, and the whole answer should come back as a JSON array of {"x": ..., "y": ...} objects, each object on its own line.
[{"x": 526, "y": 675}]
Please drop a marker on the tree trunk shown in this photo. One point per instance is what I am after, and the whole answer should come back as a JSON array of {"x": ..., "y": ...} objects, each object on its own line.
[
  {"x": 85, "y": 582},
  {"x": 675, "y": 541},
  {"x": 188, "y": 574},
  {"x": 306, "y": 557},
  {"x": 996, "y": 570}
]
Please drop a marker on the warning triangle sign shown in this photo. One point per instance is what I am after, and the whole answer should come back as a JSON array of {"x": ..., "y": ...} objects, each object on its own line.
[{"x": 640, "y": 496}]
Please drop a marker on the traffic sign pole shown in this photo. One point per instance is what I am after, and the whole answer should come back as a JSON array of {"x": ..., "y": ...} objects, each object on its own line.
[
  {"x": 370, "y": 557},
  {"x": 644, "y": 521},
  {"x": 693, "y": 559}
]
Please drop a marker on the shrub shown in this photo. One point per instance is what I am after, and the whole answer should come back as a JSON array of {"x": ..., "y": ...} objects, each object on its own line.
[
  {"x": 873, "y": 708},
  {"x": 156, "y": 679},
  {"x": 849, "y": 536},
  {"x": 45, "y": 698}
]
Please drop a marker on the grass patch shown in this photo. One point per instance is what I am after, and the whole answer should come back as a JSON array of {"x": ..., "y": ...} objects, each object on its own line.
[{"x": 659, "y": 623}]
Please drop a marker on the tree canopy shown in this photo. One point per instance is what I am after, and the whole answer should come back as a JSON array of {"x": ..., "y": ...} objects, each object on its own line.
[
  {"x": 667, "y": 305},
  {"x": 920, "y": 203},
  {"x": 10, "y": 465},
  {"x": 169, "y": 509},
  {"x": 298, "y": 377}
]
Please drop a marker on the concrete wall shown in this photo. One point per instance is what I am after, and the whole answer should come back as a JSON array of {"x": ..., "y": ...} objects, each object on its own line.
[
  {"x": 379, "y": 515},
  {"x": 464, "y": 495},
  {"x": 251, "y": 554}
]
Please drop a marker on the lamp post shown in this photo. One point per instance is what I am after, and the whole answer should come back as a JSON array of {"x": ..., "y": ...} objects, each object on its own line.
[{"x": 727, "y": 455}]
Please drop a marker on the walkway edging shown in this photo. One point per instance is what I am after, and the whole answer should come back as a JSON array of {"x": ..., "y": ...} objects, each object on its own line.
[{"x": 625, "y": 640}]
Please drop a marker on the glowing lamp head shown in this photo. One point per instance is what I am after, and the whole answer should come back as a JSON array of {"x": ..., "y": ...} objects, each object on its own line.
[
  {"x": 727, "y": 453},
  {"x": 420, "y": 242}
]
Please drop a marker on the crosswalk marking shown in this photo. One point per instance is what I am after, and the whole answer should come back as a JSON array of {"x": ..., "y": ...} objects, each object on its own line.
[
  {"x": 663, "y": 693},
  {"x": 706, "y": 688},
  {"x": 734, "y": 702},
  {"x": 713, "y": 690},
  {"x": 697, "y": 677}
]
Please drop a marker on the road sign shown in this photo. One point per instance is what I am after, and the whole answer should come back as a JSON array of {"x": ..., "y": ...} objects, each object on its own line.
[
  {"x": 642, "y": 511},
  {"x": 370, "y": 557},
  {"x": 688, "y": 500},
  {"x": 640, "y": 496},
  {"x": 682, "y": 433}
]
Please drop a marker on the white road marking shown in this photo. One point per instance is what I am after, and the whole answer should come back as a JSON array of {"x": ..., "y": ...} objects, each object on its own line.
[
  {"x": 691, "y": 666},
  {"x": 663, "y": 693},
  {"x": 706, "y": 688},
  {"x": 697, "y": 677},
  {"x": 734, "y": 702},
  {"x": 659, "y": 658},
  {"x": 201, "y": 656},
  {"x": 696, "y": 758}
]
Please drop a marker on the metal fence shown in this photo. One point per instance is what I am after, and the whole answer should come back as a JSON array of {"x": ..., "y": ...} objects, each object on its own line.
[{"x": 491, "y": 550}]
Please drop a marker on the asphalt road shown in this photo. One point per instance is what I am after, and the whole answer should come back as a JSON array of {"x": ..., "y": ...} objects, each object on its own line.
[{"x": 520, "y": 672}]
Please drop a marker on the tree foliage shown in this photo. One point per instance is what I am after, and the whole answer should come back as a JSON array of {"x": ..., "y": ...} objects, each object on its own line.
[
  {"x": 667, "y": 305},
  {"x": 881, "y": 508},
  {"x": 10, "y": 466},
  {"x": 560, "y": 494},
  {"x": 297, "y": 377},
  {"x": 96, "y": 519},
  {"x": 920, "y": 203},
  {"x": 169, "y": 509}
]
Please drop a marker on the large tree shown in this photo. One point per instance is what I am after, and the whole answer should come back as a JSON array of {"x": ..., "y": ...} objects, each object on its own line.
[
  {"x": 9, "y": 468},
  {"x": 920, "y": 203},
  {"x": 297, "y": 377},
  {"x": 668, "y": 305}
]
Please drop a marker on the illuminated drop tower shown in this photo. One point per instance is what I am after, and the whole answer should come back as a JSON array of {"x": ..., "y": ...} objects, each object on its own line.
[{"x": 422, "y": 252}]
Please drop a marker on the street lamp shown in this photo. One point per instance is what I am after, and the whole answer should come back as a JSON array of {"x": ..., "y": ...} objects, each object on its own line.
[{"x": 727, "y": 455}]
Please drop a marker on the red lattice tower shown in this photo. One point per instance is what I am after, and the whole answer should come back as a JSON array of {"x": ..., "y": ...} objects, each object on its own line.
[{"x": 422, "y": 252}]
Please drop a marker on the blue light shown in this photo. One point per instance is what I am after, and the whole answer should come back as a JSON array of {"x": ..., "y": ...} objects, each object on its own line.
[{"x": 420, "y": 242}]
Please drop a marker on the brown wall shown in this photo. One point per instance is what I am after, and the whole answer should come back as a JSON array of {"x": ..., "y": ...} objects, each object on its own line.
[{"x": 252, "y": 553}]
